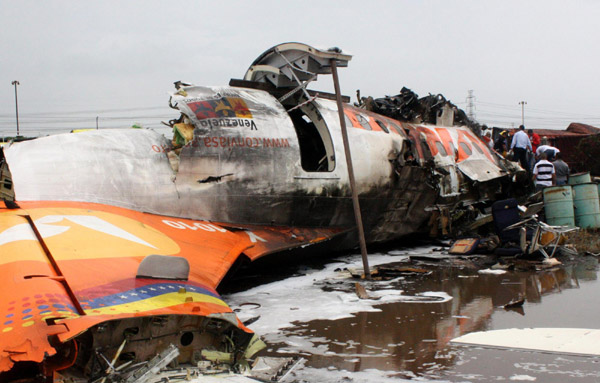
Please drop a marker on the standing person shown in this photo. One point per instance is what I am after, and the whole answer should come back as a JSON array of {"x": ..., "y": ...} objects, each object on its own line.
[
  {"x": 487, "y": 138},
  {"x": 535, "y": 140},
  {"x": 500, "y": 145},
  {"x": 543, "y": 173},
  {"x": 562, "y": 170},
  {"x": 520, "y": 145}
]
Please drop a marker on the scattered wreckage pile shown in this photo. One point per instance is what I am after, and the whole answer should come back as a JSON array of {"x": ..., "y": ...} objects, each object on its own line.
[
  {"x": 510, "y": 233},
  {"x": 502, "y": 228},
  {"x": 407, "y": 106}
]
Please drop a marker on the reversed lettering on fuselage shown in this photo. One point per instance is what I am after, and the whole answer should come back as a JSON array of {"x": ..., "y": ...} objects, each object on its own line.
[
  {"x": 228, "y": 123},
  {"x": 230, "y": 142},
  {"x": 209, "y": 227},
  {"x": 194, "y": 226}
]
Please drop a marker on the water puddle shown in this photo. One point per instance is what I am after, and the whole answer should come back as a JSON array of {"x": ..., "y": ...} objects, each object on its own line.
[{"x": 403, "y": 331}]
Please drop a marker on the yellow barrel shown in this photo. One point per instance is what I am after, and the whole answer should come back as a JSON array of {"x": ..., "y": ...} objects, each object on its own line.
[
  {"x": 558, "y": 206},
  {"x": 587, "y": 207}
]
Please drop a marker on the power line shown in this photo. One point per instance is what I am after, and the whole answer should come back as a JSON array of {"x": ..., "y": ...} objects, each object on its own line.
[
  {"x": 94, "y": 112},
  {"x": 553, "y": 111}
]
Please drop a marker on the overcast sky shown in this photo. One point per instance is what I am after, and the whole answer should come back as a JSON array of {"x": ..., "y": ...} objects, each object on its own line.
[{"x": 116, "y": 60}]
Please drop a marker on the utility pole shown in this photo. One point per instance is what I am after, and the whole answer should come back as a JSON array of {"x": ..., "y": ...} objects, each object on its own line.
[
  {"x": 15, "y": 83},
  {"x": 471, "y": 106},
  {"x": 523, "y": 103}
]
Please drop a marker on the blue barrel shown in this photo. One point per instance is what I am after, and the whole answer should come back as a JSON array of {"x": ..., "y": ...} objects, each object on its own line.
[
  {"x": 580, "y": 178},
  {"x": 587, "y": 207},
  {"x": 558, "y": 206}
]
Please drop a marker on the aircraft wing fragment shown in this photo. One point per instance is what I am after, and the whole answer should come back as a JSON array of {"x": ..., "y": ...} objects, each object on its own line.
[{"x": 104, "y": 255}]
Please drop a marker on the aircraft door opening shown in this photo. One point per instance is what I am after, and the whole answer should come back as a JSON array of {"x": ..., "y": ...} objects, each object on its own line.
[{"x": 316, "y": 146}]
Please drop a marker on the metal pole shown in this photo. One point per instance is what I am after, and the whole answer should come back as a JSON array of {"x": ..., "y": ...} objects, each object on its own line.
[
  {"x": 15, "y": 83},
  {"x": 523, "y": 103},
  {"x": 355, "y": 204}
]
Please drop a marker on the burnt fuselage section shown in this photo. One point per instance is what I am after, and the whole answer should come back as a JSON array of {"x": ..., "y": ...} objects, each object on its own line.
[{"x": 252, "y": 159}]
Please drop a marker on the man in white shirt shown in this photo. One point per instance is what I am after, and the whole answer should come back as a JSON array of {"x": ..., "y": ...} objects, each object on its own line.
[
  {"x": 520, "y": 145},
  {"x": 549, "y": 150},
  {"x": 543, "y": 173}
]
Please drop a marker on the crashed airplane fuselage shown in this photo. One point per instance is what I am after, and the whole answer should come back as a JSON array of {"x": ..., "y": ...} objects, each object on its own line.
[
  {"x": 114, "y": 241},
  {"x": 254, "y": 161},
  {"x": 268, "y": 157}
]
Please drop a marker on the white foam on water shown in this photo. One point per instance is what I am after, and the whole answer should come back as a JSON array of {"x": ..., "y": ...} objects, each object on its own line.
[
  {"x": 321, "y": 375},
  {"x": 299, "y": 299},
  {"x": 492, "y": 271},
  {"x": 523, "y": 378}
]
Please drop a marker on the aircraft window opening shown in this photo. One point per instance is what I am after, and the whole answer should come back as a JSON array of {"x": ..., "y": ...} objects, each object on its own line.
[
  {"x": 348, "y": 121},
  {"x": 396, "y": 128},
  {"x": 478, "y": 148},
  {"x": 316, "y": 146},
  {"x": 363, "y": 121},
  {"x": 408, "y": 150},
  {"x": 382, "y": 126},
  {"x": 426, "y": 151},
  {"x": 441, "y": 148},
  {"x": 466, "y": 148}
]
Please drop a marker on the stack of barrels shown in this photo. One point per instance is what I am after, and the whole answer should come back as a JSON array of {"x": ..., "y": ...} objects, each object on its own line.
[{"x": 575, "y": 204}]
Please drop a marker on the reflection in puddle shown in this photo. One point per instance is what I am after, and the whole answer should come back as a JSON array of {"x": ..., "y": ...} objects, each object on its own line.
[{"x": 406, "y": 337}]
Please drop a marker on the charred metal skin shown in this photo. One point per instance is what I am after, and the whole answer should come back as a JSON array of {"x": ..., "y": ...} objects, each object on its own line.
[
  {"x": 282, "y": 169},
  {"x": 288, "y": 168}
]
